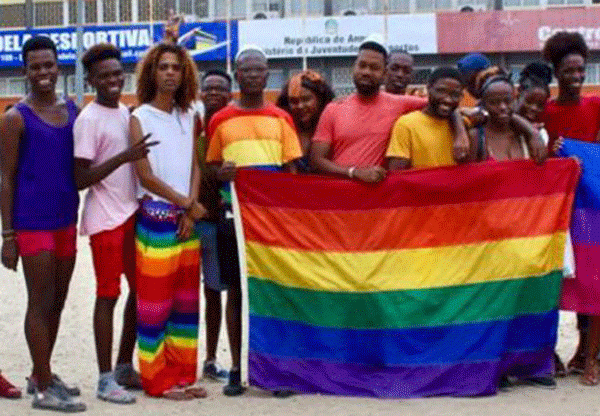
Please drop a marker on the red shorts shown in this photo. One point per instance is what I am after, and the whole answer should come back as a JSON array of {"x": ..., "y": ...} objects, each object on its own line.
[
  {"x": 113, "y": 253},
  {"x": 61, "y": 242}
]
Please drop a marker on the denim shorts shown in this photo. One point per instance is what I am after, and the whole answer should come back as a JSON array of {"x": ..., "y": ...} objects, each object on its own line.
[{"x": 210, "y": 258}]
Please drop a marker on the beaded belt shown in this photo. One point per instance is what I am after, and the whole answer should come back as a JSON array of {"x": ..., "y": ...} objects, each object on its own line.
[{"x": 161, "y": 211}]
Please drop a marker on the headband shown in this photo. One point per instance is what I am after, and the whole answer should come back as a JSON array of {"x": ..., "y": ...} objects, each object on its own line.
[
  {"x": 308, "y": 78},
  {"x": 493, "y": 80}
]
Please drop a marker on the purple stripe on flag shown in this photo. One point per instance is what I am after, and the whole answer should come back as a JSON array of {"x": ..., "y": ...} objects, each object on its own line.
[
  {"x": 462, "y": 379},
  {"x": 585, "y": 226}
]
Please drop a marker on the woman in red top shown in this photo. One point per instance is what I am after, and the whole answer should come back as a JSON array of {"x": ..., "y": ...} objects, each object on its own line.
[{"x": 571, "y": 115}]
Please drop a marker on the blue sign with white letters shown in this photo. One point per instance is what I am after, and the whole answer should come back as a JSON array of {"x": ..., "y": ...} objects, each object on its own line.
[{"x": 205, "y": 41}]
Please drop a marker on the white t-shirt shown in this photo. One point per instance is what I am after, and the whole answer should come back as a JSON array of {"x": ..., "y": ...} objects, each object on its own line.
[
  {"x": 171, "y": 159},
  {"x": 100, "y": 133}
]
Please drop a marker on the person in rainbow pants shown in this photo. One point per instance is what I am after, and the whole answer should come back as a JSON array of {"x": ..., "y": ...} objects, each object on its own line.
[{"x": 167, "y": 248}]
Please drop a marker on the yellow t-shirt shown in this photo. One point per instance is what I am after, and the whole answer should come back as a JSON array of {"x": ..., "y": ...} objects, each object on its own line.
[{"x": 425, "y": 140}]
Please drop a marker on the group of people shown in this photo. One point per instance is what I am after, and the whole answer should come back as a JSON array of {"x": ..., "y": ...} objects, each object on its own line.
[{"x": 159, "y": 179}]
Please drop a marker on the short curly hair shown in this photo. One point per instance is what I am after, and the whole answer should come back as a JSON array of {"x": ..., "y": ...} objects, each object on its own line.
[
  {"x": 98, "y": 53},
  {"x": 562, "y": 44}
]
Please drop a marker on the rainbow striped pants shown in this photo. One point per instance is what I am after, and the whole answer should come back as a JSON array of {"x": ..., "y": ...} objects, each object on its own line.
[{"x": 167, "y": 273}]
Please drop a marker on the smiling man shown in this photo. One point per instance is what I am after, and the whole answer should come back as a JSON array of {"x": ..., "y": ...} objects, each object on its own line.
[
  {"x": 102, "y": 163},
  {"x": 353, "y": 133},
  {"x": 423, "y": 139},
  {"x": 39, "y": 213}
]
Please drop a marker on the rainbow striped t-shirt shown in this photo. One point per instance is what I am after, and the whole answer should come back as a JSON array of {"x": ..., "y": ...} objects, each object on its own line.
[{"x": 262, "y": 138}]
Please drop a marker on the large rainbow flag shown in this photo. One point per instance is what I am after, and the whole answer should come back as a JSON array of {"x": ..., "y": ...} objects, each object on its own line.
[{"x": 435, "y": 282}]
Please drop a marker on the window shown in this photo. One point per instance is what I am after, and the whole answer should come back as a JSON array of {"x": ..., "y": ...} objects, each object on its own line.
[
  {"x": 201, "y": 8},
  {"x": 421, "y": 75},
  {"x": 591, "y": 74},
  {"x": 125, "y": 11},
  {"x": 72, "y": 12},
  {"x": 3, "y": 88},
  {"x": 276, "y": 79},
  {"x": 160, "y": 9},
  {"x": 564, "y": 2},
  {"x": 87, "y": 89},
  {"x": 515, "y": 72},
  {"x": 312, "y": 7},
  {"x": 91, "y": 11},
  {"x": 129, "y": 87},
  {"x": 238, "y": 9},
  {"x": 48, "y": 13},
  {"x": 143, "y": 10},
  {"x": 267, "y": 6},
  {"x": 109, "y": 11},
  {"x": 341, "y": 81},
  {"x": 396, "y": 6},
  {"x": 359, "y": 6},
  {"x": 13, "y": 15},
  {"x": 521, "y": 3},
  {"x": 16, "y": 86}
]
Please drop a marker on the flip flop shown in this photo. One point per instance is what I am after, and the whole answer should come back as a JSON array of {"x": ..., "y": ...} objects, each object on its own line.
[
  {"x": 8, "y": 390},
  {"x": 177, "y": 394},
  {"x": 196, "y": 391}
]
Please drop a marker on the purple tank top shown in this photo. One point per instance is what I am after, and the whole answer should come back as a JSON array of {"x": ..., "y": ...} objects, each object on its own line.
[{"x": 46, "y": 196}]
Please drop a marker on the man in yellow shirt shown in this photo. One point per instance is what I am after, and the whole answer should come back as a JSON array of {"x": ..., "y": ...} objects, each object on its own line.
[{"x": 424, "y": 139}]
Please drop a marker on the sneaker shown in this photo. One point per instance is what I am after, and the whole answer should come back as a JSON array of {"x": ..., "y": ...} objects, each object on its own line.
[
  {"x": 110, "y": 391},
  {"x": 71, "y": 390},
  {"x": 55, "y": 398},
  {"x": 127, "y": 377},
  {"x": 283, "y": 394},
  {"x": 234, "y": 388},
  {"x": 542, "y": 382},
  {"x": 214, "y": 371},
  {"x": 505, "y": 384},
  {"x": 8, "y": 390}
]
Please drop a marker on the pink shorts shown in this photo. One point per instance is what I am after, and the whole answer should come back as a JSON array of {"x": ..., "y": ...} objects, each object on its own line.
[
  {"x": 113, "y": 252},
  {"x": 61, "y": 242}
]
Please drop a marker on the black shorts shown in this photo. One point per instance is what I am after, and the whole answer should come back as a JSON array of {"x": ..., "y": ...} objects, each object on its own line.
[{"x": 227, "y": 249}]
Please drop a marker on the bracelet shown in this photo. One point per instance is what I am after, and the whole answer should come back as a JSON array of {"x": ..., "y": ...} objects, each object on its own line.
[
  {"x": 8, "y": 237},
  {"x": 351, "y": 171},
  {"x": 7, "y": 233}
]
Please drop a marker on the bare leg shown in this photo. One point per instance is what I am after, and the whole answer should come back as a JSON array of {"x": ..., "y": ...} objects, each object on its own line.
[
  {"x": 40, "y": 280},
  {"x": 64, "y": 271},
  {"x": 103, "y": 332},
  {"x": 128, "y": 336},
  {"x": 213, "y": 321},
  {"x": 591, "y": 373},
  {"x": 234, "y": 323}
]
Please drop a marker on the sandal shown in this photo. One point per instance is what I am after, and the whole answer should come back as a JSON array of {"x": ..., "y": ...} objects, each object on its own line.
[
  {"x": 559, "y": 367},
  {"x": 8, "y": 390},
  {"x": 196, "y": 391},
  {"x": 591, "y": 374},
  {"x": 177, "y": 393}
]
